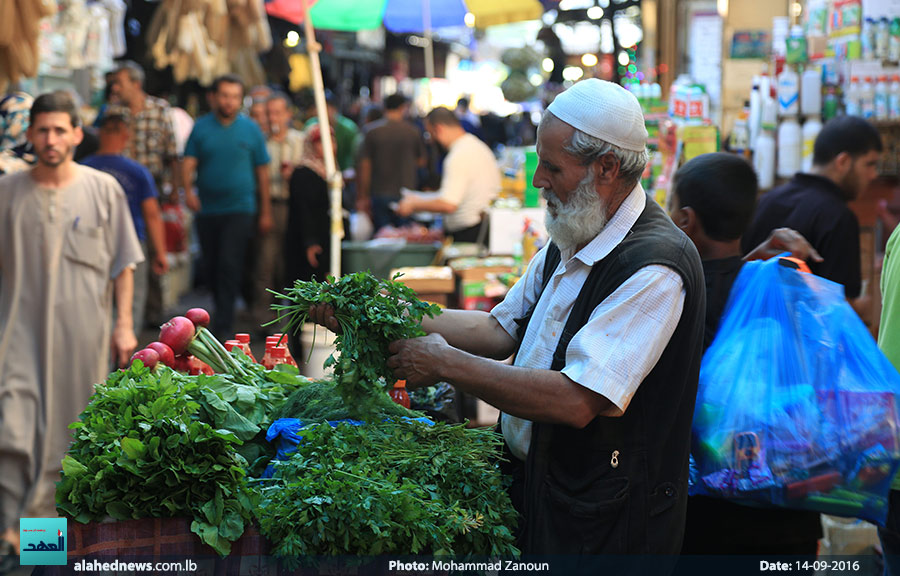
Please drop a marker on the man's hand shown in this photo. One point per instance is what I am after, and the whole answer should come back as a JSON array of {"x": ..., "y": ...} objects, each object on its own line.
[
  {"x": 265, "y": 222},
  {"x": 312, "y": 255},
  {"x": 123, "y": 344},
  {"x": 192, "y": 201},
  {"x": 364, "y": 205},
  {"x": 160, "y": 264},
  {"x": 323, "y": 315},
  {"x": 785, "y": 240},
  {"x": 418, "y": 360},
  {"x": 405, "y": 207}
]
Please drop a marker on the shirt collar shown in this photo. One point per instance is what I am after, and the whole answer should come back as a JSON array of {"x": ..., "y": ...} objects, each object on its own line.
[{"x": 615, "y": 230}]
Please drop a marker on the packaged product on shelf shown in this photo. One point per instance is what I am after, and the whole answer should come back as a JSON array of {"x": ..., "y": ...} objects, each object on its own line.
[
  {"x": 882, "y": 39},
  {"x": 811, "y": 92},
  {"x": 788, "y": 92},
  {"x": 811, "y": 129},
  {"x": 867, "y": 99},
  {"x": 881, "y": 98},
  {"x": 894, "y": 42},
  {"x": 894, "y": 98},
  {"x": 867, "y": 39},
  {"x": 852, "y": 105},
  {"x": 790, "y": 148}
]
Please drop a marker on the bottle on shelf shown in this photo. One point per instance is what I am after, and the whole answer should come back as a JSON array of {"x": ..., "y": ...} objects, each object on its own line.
[
  {"x": 811, "y": 129},
  {"x": 755, "y": 112},
  {"x": 244, "y": 339},
  {"x": 788, "y": 92},
  {"x": 894, "y": 98},
  {"x": 882, "y": 39},
  {"x": 852, "y": 105},
  {"x": 829, "y": 103},
  {"x": 231, "y": 344},
  {"x": 811, "y": 92},
  {"x": 399, "y": 395},
  {"x": 790, "y": 148},
  {"x": 867, "y": 99},
  {"x": 881, "y": 98},
  {"x": 764, "y": 155},
  {"x": 894, "y": 42},
  {"x": 867, "y": 39}
]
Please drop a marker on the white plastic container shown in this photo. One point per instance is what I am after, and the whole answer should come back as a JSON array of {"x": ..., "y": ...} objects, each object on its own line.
[
  {"x": 788, "y": 93},
  {"x": 811, "y": 129},
  {"x": 753, "y": 120},
  {"x": 851, "y": 98},
  {"x": 811, "y": 92},
  {"x": 881, "y": 98},
  {"x": 790, "y": 148},
  {"x": 882, "y": 39},
  {"x": 867, "y": 39},
  {"x": 764, "y": 159},
  {"x": 867, "y": 99},
  {"x": 894, "y": 99}
]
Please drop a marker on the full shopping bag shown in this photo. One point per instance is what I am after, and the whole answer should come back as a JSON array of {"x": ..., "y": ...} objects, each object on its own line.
[{"x": 796, "y": 406}]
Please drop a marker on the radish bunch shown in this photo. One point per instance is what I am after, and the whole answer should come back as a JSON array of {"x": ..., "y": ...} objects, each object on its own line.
[{"x": 186, "y": 345}]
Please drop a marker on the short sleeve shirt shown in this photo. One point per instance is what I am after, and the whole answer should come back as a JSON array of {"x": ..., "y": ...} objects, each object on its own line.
[
  {"x": 227, "y": 158},
  {"x": 135, "y": 180},
  {"x": 153, "y": 143}
]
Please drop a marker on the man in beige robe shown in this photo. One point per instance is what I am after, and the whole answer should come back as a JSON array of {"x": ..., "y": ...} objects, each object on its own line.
[{"x": 67, "y": 248}]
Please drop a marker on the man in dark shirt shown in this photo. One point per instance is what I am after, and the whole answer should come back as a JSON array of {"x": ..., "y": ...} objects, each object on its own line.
[
  {"x": 715, "y": 196},
  {"x": 815, "y": 205},
  {"x": 391, "y": 153}
]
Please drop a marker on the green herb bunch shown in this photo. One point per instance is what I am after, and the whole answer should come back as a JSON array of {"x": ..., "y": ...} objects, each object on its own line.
[
  {"x": 141, "y": 451},
  {"x": 371, "y": 312},
  {"x": 319, "y": 401},
  {"x": 397, "y": 487}
]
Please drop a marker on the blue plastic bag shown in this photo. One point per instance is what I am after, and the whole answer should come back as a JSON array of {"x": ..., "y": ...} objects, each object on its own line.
[{"x": 796, "y": 407}]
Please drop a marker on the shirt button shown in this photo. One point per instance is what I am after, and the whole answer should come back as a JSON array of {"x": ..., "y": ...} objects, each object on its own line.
[{"x": 670, "y": 491}]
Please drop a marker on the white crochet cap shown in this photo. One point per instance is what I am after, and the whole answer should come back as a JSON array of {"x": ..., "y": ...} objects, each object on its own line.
[{"x": 603, "y": 110}]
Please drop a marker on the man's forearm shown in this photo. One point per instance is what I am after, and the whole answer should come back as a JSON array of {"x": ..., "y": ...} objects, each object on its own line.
[
  {"x": 474, "y": 331},
  {"x": 530, "y": 393},
  {"x": 188, "y": 166},
  {"x": 124, "y": 294}
]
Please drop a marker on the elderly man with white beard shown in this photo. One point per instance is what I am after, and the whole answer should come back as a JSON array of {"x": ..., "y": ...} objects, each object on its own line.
[{"x": 606, "y": 327}]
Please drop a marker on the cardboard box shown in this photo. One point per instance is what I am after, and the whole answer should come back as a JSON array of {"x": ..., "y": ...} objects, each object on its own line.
[
  {"x": 427, "y": 279},
  {"x": 477, "y": 269}
]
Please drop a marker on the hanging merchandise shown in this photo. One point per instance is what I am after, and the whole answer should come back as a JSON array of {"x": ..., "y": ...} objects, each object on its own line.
[
  {"x": 202, "y": 40},
  {"x": 796, "y": 52},
  {"x": 790, "y": 148},
  {"x": 117, "y": 10},
  {"x": 811, "y": 92},
  {"x": 788, "y": 92},
  {"x": 20, "y": 22},
  {"x": 811, "y": 129},
  {"x": 98, "y": 49}
]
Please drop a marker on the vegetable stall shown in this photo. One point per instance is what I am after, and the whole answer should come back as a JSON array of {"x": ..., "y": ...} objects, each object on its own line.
[{"x": 318, "y": 467}]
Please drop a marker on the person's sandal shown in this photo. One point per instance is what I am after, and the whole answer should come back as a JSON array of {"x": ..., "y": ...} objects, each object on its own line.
[{"x": 9, "y": 557}]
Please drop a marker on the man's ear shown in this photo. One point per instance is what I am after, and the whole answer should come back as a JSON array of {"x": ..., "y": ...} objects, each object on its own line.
[
  {"x": 79, "y": 135},
  {"x": 843, "y": 162},
  {"x": 684, "y": 217},
  {"x": 606, "y": 169}
]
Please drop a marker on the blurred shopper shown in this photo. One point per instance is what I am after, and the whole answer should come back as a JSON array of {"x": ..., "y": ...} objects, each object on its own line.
[
  {"x": 227, "y": 152},
  {"x": 285, "y": 146},
  {"x": 153, "y": 145},
  {"x": 715, "y": 196},
  {"x": 307, "y": 247},
  {"x": 469, "y": 120},
  {"x": 346, "y": 133},
  {"x": 143, "y": 203},
  {"x": 67, "y": 248},
  {"x": 845, "y": 159},
  {"x": 257, "y": 113},
  {"x": 889, "y": 343},
  {"x": 391, "y": 153},
  {"x": 470, "y": 181},
  {"x": 606, "y": 327}
]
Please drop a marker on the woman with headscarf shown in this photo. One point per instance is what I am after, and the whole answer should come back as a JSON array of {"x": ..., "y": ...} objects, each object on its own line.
[
  {"x": 308, "y": 234},
  {"x": 14, "y": 148}
]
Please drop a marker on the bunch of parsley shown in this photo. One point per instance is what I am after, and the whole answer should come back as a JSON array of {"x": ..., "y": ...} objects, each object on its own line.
[
  {"x": 371, "y": 312},
  {"x": 396, "y": 487}
]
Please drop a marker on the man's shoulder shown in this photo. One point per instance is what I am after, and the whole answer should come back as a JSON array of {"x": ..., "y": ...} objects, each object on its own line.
[{"x": 157, "y": 103}]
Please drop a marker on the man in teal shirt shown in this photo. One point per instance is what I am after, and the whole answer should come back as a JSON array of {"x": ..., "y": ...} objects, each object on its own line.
[{"x": 227, "y": 151}]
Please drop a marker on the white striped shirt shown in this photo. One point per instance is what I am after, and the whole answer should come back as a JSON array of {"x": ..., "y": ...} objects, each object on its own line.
[{"x": 624, "y": 337}]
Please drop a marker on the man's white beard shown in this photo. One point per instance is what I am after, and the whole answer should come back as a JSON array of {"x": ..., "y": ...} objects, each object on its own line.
[{"x": 577, "y": 221}]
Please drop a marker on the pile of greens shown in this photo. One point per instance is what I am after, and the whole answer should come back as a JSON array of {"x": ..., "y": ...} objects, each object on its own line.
[
  {"x": 319, "y": 401},
  {"x": 372, "y": 313},
  {"x": 163, "y": 444},
  {"x": 395, "y": 487}
]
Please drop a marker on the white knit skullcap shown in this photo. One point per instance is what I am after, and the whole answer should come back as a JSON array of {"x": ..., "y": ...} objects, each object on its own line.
[{"x": 603, "y": 110}]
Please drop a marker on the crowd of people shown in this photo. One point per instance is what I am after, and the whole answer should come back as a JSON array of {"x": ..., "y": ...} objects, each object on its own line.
[{"x": 607, "y": 326}]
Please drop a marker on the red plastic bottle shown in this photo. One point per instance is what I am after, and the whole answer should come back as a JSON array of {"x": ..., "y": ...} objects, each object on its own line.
[
  {"x": 244, "y": 339},
  {"x": 398, "y": 393},
  {"x": 229, "y": 344}
]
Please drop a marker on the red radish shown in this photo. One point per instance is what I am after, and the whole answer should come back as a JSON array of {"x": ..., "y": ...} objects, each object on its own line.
[
  {"x": 198, "y": 316},
  {"x": 166, "y": 356},
  {"x": 148, "y": 356},
  {"x": 177, "y": 333},
  {"x": 182, "y": 363}
]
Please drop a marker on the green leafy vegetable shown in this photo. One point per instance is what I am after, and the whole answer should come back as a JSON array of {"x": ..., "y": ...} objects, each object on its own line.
[
  {"x": 396, "y": 487},
  {"x": 372, "y": 313}
]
